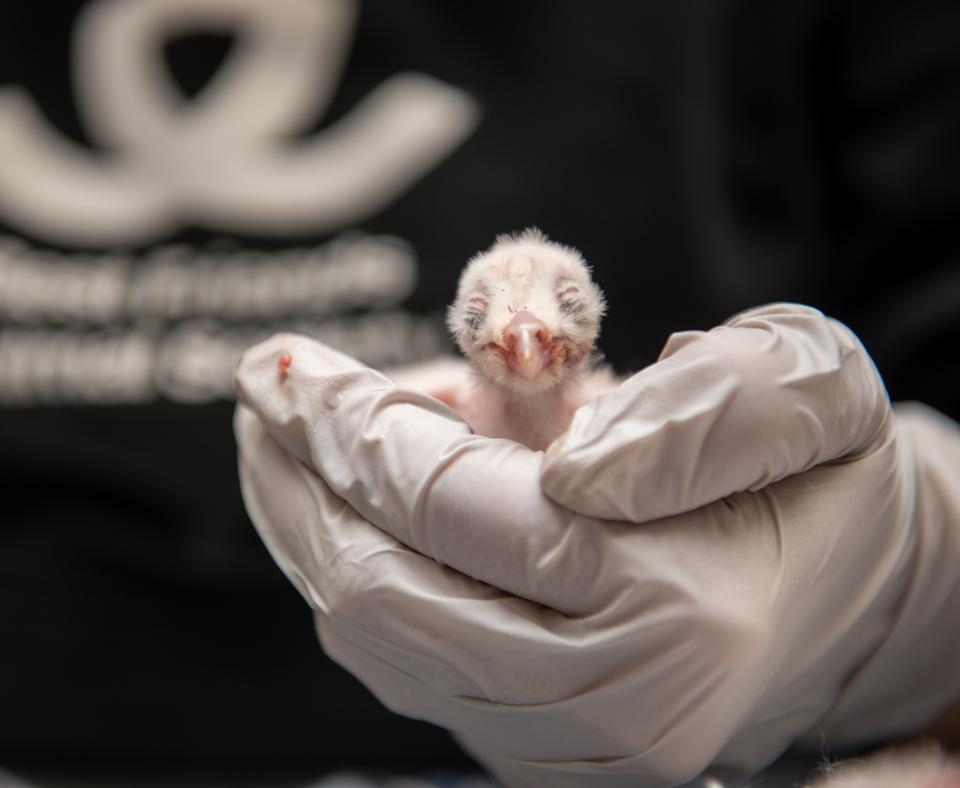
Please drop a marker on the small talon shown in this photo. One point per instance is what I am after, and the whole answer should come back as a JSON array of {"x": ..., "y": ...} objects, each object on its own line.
[{"x": 283, "y": 366}]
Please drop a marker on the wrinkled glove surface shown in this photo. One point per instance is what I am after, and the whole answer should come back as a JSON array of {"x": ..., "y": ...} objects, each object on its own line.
[{"x": 740, "y": 546}]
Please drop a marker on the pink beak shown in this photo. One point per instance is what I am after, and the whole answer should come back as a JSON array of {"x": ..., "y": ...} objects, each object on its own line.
[{"x": 525, "y": 338}]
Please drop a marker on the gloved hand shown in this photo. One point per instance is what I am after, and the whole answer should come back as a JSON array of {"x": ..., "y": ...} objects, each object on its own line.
[{"x": 778, "y": 556}]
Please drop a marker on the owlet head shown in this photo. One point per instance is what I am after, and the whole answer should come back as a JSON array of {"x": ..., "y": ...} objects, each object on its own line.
[{"x": 527, "y": 313}]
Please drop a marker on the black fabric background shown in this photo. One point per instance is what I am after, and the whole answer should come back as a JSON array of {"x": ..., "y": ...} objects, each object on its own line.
[{"x": 705, "y": 156}]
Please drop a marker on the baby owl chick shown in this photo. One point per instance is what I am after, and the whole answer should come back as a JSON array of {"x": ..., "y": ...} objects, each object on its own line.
[{"x": 526, "y": 316}]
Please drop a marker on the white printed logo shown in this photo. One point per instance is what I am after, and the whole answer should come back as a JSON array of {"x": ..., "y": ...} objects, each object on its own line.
[{"x": 227, "y": 159}]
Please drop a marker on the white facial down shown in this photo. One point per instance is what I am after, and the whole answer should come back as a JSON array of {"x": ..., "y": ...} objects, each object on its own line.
[{"x": 526, "y": 313}]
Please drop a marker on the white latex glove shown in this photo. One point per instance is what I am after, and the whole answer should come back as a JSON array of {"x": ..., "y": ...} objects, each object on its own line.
[{"x": 736, "y": 605}]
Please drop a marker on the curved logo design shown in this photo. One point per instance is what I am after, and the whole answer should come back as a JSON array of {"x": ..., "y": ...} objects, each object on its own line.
[{"x": 228, "y": 159}]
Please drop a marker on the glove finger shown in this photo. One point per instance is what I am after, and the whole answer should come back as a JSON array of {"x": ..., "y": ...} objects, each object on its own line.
[
  {"x": 315, "y": 538},
  {"x": 433, "y": 643},
  {"x": 406, "y": 463},
  {"x": 772, "y": 392}
]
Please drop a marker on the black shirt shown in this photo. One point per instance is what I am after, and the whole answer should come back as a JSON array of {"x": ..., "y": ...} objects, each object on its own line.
[{"x": 705, "y": 157}]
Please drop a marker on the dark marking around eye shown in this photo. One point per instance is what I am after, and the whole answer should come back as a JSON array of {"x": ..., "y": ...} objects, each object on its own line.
[
  {"x": 475, "y": 313},
  {"x": 570, "y": 301},
  {"x": 576, "y": 311},
  {"x": 573, "y": 308},
  {"x": 473, "y": 321}
]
